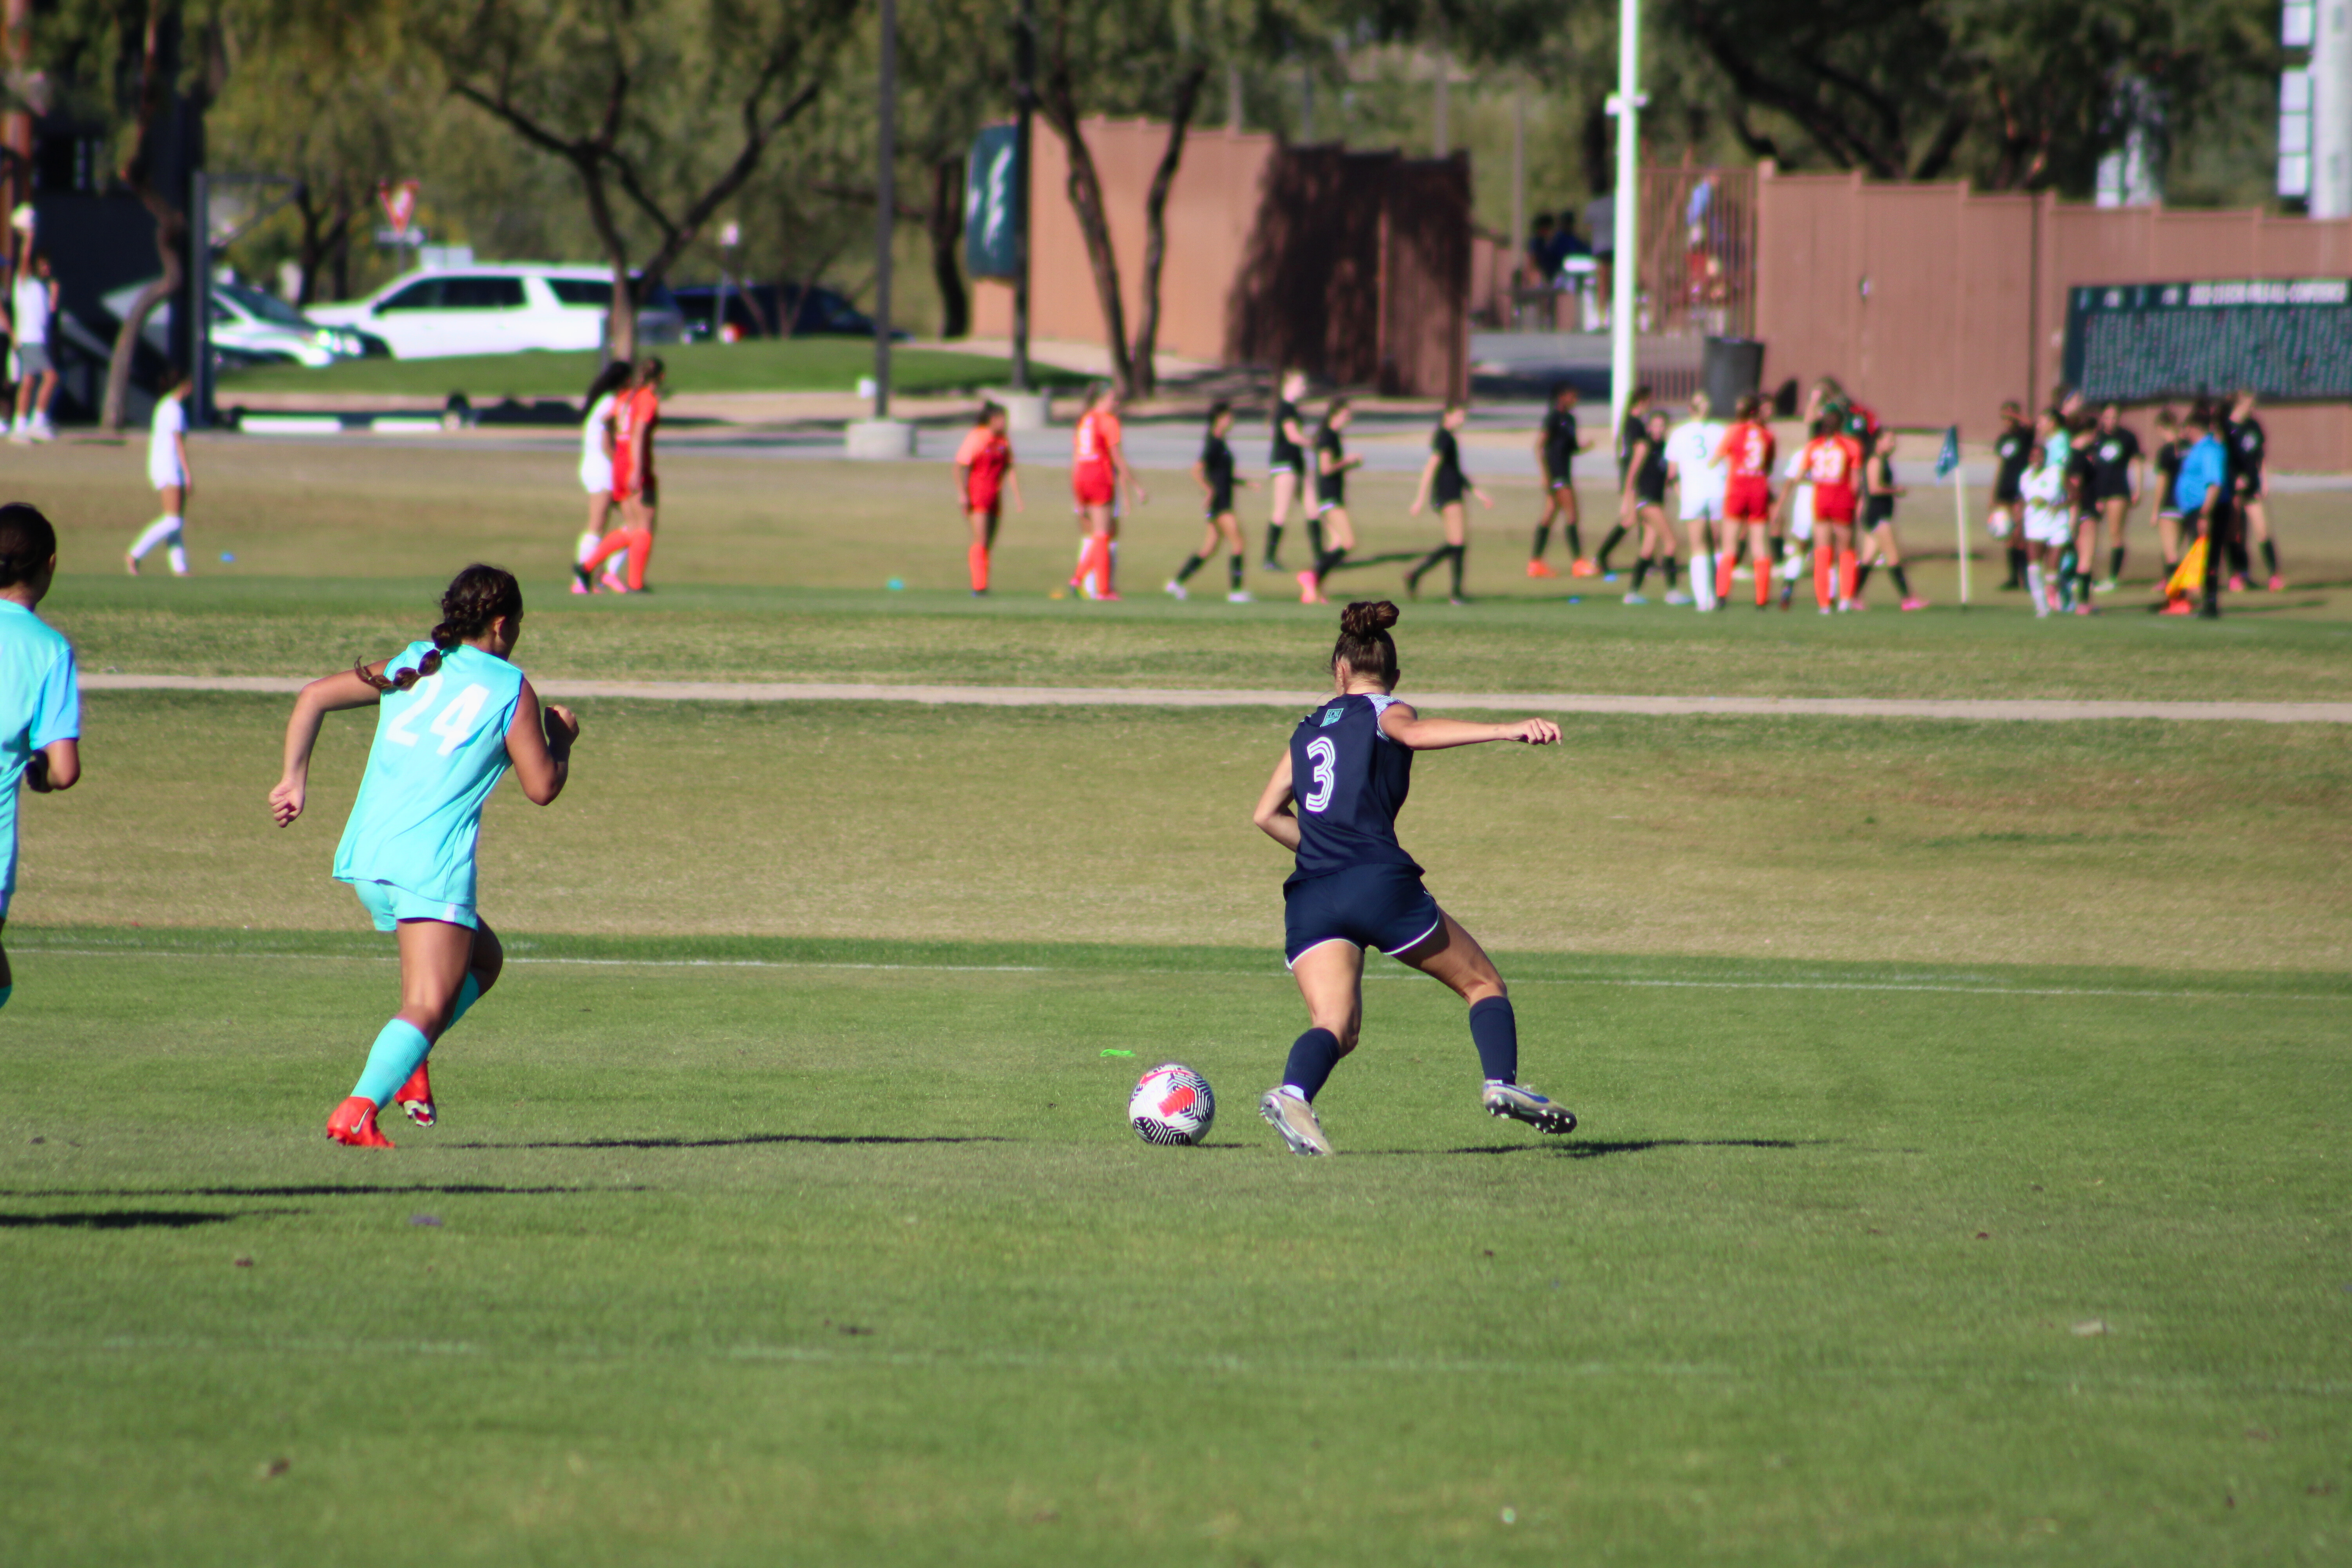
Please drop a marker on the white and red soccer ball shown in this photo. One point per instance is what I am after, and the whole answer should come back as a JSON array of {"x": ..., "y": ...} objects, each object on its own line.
[{"x": 1171, "y": 1104}]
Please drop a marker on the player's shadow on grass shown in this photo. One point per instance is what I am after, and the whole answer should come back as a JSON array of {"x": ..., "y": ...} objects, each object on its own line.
[
  {"x": 308, "y": 1189},
  {"x": 1595, "y": 1150},
  {"x": 747, "y": 1139},
  {"x": 133, "y": 1219}
]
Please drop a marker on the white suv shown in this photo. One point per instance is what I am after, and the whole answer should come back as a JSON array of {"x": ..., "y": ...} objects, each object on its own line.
[{"x": 498, "y": 308}]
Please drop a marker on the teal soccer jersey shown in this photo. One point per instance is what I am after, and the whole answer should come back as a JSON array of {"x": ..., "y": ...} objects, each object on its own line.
[
  {"x": 40, "y": 702},
  {"x": 440, "y": 747}
]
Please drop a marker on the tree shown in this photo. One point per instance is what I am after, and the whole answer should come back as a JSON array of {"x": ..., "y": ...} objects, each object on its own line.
[{"x": 662, "y": 109}]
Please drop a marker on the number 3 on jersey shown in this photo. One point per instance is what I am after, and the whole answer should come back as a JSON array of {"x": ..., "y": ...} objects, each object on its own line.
[
  {"x": 455, "y": 725},
  {"x": 1326, "y": 757}
]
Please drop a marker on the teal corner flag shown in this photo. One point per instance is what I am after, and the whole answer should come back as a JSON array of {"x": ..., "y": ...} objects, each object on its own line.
[{"x": 1949, "y": 458}]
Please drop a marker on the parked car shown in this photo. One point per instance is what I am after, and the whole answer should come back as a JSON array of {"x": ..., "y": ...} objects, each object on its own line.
[
  {"x": 251, "y": 326},
  {"x": 500, "y": 308},
  {"x": 757, "y": 311}
]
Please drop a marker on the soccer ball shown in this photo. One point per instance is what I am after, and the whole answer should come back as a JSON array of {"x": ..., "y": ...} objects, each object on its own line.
[{"x": 1171, "y": 1104}]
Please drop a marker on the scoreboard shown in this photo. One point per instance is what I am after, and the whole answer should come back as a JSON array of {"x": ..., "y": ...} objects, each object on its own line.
[{"x": 2289, "y": 338}]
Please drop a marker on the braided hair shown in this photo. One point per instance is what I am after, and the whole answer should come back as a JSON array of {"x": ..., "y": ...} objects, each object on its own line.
[
  {"x": 1364, "y": 641},
  {"x": 475, "y": 597}
]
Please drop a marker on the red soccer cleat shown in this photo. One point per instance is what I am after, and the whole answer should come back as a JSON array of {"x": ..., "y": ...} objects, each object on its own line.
[
  {"x": 2277, "y": 584},
  {"x": 1540, "y": 569},
  {"x": 353, "y": 1124},
  {"x": 415, "y": 1097},
  {"x": 1583, "y": 568}
]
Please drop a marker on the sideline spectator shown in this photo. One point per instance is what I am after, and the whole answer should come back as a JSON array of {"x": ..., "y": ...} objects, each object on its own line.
[{"x": 32, "y": 303}]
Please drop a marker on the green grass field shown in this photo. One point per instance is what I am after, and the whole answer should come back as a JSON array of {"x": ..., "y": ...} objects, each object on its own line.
[
  {"x": 761, "y": 364},
  {"x": 1961, "y": 1176}
]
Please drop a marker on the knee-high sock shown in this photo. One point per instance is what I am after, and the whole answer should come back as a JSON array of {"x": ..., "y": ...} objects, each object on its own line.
[
  {"x": 1494, "y": 1029},
  {"x": 1459, "y": 552},
  {"x": 2017, "y": 563},
  {"x": 1902, "y": 580},
  {"x": 1184, "y": 573},
  {"x": 975, "y": 560},
  {"x": 1824, "y": 570},
  {"x": 1763, "y": 576},
  {"x": 1312, "y": 1056},
  {"x": 1543, "y": 542},
  {"x": 1234, "y": 574},
  {"x": 1094, "y": 574},
  {"x": 1640, "y": 571},
  {"x": 1703, "y": 578},
  {"x": 616, "y": 542},
  {"x": 469, "y": 991},
  {"x": 585, "y": 548},
  {"x": 1670, "y": 564},
  {"x": 1575, "y": 538},
  {"x": 1724, "y": 560},
  {"x": 2115, "y": 563},
  {"x": 2270, "y": 557},
  {"x": 1429, "y": 563},
  {"x": 7, "y": 992},
  {"x": 1860, "y": 578},
  {"x": 1616, "y": 534},
  {"x": 1273, "y": 539},
  {"x": 1845, "y": 571},
  {"x": 2034, "y": 587},
  {"x": 2240, "y": 563},
  {"x": 1328, "y": 562},
  {"x": 397, "y": 1049},
  {"x": 641, "y": 551},
  {"x": 162, "y": 530},
  {"x": 1315, "y": 536}
]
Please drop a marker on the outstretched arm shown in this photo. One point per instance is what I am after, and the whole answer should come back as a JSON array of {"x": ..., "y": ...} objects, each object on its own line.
[
  {"x": 1274, "y": 817},
  {"x": 1408, "y": 729},
  {"x": 541, "y": 747},
  {"x": 331, "y": 694}
]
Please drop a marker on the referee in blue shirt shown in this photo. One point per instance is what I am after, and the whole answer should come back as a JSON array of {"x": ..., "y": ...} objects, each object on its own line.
[{"x": 2203, "y": 492}]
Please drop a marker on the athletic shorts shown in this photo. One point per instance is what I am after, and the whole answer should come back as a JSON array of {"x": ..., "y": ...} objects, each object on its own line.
[
  {"x": 1380, "y": 906},
  {"x": 33, "y": 359},
  {"x": 171, "y": 478},
  {"x": 985, "y": 503},
  {"x": 2051, "y": 526},
  {"x": 1832, "y": 508},
  {"x": 1748, "y": 499},
  {"x": 2106, "y": 493},
  {"x": 1093, "y": 486},
  {"x": 596, "y": 477},
  {"x": 1701, "y": 509},
  {"x": 392, "y": 905},
  {"x": 1326, "y": 503}
]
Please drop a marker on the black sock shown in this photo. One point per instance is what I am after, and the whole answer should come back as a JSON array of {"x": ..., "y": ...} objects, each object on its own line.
[
  {"x": 1273, "y": 539},
  {"x": 1902, "y": 581},
  {"x": 1608, "y": 544},
  {"x": 1496, "y": 1031},
  {"x": 1315, "y": 536},
  {"x": 1234, "y": 573},
  {"x": 1672, "y": 566},
  {"x": 1427, "y": 564},
  {"x": 2016, "y": 565},
  {"x": 1543, "y": 542},
  {"x": 2270, "y": 556},
  {"x": 2239, "y": 564},
  {"x": 1312, "y": 1056},
  {"x": 1191, "y": 564},
  {"x": 1575, "y": 538},
  {"x": 2115, "y": 565},
  {"x": 1328, "y": 560},
  {"x": 1641, "y": 570},
  {"x": 2212, "y": 584},
  {"x": 1861, "y": 577},
  {"x": 1457, "y": 552}
]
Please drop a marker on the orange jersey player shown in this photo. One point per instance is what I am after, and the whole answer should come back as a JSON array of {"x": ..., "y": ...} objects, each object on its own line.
[
  {"x": 1832, "y": 463},
  {"x": 983, "y": 472},
  {"x": 1097, "y": 469},
  {"x": 1745, "y": 456}
]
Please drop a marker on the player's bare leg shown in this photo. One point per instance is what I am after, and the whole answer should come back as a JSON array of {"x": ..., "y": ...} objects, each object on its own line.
[
  {"x": 1452, "y": 956},
  {"x": 1330, "y": 977}
]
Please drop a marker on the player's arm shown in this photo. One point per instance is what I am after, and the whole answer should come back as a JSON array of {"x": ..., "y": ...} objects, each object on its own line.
[
  {"x": 1543, "y": 459},
  {"x": 1294, "y": 433},
  {"x": 540, "y": 746},
  {"x": 330, "y": 694},
  {"x": 55, "y": 766},
  {"x": 1420, "y": 491},
  {"x": 1013, "y": 483},
  {"x": 187, "y": 471},
  {"x": 1408, "y": 729},
  {"x": 1274, "y": 817},
  {"x": 1639, "y": 454},
  {"x": 1125, "y": 475},
  {"x": 1201, "y": 477}
]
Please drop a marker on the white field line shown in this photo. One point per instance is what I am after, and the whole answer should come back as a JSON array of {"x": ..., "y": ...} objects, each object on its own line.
[
  {"x": 1396, "y": 973},
  {"x": 1974, "y": 708}
]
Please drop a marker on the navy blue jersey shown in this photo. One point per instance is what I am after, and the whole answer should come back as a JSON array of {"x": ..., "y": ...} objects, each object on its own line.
[{"x": 1350, "y": 781}]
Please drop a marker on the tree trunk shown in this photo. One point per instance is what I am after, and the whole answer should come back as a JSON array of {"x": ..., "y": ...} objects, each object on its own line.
[
  {"x": 1155, "y": 225},
  {"x": 946, "y": 225},
  {"x": 158, "y": 59},
  {"x": 1087, "y": 203}
]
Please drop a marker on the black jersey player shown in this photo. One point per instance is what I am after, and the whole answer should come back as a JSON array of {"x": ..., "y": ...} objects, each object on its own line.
[
  {"x": 1214, "y": 472},
  {"x": 1333, "y": 801}
]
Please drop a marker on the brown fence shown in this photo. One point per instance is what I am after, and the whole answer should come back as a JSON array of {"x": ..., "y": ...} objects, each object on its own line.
[
  {"x": 1353, "y": 266},
  {"x": 1934, "y": 303}
]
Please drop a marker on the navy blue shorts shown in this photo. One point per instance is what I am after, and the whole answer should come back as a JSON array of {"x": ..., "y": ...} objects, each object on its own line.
[{"x": 1373, "y": 906}]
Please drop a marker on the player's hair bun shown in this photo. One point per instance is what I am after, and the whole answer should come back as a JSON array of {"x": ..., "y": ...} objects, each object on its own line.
[{"x": 1365, "y": 616}]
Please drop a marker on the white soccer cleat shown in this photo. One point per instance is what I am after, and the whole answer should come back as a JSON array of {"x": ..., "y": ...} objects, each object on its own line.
[
  {"x": 1522, "y": 1104},
  {"x": 1241, "y": 596},
  {"x": 1294, "y": 1120},
  {"x": 1176, "y": 590}
]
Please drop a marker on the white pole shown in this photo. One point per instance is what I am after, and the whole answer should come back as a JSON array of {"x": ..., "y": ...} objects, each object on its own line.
[
  {"x": 1960, "y": 524},
  {"x": 1626, "y": 264}
]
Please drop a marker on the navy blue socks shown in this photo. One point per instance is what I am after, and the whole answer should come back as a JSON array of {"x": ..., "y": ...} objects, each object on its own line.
[
  {"x": 1312, "y": 1056},
  {"x": 1495, "y": 1030}
]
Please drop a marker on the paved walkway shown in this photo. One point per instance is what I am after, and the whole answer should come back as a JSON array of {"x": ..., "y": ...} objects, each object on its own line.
[{"x": 2043, "y": 711}]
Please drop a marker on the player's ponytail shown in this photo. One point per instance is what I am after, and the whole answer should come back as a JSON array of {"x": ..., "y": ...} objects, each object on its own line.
[
  {"x": 1364, "y": 642},
  {"x": 475, "y": 597}
]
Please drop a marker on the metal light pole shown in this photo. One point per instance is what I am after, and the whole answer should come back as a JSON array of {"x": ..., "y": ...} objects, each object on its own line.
[
  {"x": 1024, "y": 51},
  {"x": 886, "y": 204},
  {"x": 1626, "y": 265}
]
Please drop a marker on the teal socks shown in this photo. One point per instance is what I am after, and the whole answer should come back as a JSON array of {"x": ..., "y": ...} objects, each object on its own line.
[
  {"x": 7, "y": 992},
  {"x": 391, "y": 1060},
  {"x": 467, "y": 994}
]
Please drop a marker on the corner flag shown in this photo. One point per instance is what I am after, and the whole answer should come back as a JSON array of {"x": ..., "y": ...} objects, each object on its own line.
[{"x": 1948, "y": 457}]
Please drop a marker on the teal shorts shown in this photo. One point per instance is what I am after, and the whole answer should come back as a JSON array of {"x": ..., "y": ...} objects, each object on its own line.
[{"x": 392, "y": 905}]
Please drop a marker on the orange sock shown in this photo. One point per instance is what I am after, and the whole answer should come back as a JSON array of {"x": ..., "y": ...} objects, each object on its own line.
[
  {"x": 640, "y": 550},
  {"x": 976, "y": 557},
  {"x": 1845, "y": 575},
  {"x": 614, "y": 542},
  {"x": 1094, "y": 565},
  {"x": 1724, "y": 560},
  {"x": 1824, "y": 566},
  {"x": 1763, "y": 582}
]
